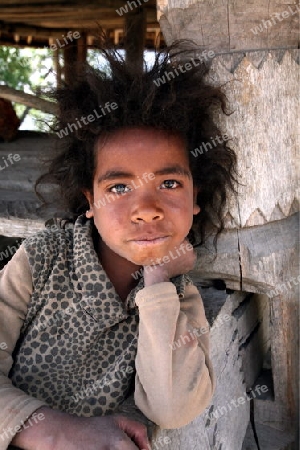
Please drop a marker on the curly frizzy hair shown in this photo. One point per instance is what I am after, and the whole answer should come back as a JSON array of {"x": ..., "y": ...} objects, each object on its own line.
[{"x": 178, "y": 104}]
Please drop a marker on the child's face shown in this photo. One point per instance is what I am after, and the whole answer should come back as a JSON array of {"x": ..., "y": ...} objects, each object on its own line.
[{"x": 155, "y": 211}]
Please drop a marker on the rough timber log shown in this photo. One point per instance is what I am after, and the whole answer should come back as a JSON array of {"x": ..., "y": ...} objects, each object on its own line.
[
  {"x": 256, "y": 59},
  {"x": 20, "y": 211},
  {"x": 30, "y": 100}
]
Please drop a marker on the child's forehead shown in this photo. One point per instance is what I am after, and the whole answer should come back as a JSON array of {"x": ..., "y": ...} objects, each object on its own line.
[
  {"x": 138, "y": 150},
  {"x": 141, "y": 138}
]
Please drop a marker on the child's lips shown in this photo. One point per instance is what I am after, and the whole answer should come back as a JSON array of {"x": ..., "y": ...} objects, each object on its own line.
[{"x": 150, "y": 240}]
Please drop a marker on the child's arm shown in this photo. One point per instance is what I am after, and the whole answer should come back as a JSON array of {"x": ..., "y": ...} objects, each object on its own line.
[
  {"x": 174, "y": 381},
  {"x": 46, "y": 429},
  {"x": 15, "y": 291},
  {"x": 60, "y": 431}
]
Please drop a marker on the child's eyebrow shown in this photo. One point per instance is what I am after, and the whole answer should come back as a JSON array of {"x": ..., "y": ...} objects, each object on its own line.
[
  {"x": 175, "y": 169},
  {"x": 114, "y": 174}
]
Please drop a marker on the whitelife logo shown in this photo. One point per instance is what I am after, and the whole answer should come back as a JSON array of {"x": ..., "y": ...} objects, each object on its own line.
[
  {"x": 9, "y": 160},
  {"x": 10, "y": 432},
  {"x": 132, "y": 5},
  {"x": 69, "y": 38},
  {"x": 247, "y": 396},
  {"x": 86, "y": 119},
  {"x": 207, "y": 145},
  {"x": 10, "y": 251},
  {"x": 279, "y": 16},
  {"x": 197, "y": 332},
  {"x": 182, "y": 68}
]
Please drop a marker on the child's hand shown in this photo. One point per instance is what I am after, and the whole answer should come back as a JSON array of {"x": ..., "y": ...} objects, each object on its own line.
[
  {"x": 61, "y": 431},
  {"x": 102, "y": 433},
  {"x": 179, "y": 261}
]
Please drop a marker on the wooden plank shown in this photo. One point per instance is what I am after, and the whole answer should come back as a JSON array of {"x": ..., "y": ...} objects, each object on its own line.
[{"x": 226, "y": 26}]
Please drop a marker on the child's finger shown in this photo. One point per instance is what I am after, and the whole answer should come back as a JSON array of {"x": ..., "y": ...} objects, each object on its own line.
[{"x": 135, "y": 430}]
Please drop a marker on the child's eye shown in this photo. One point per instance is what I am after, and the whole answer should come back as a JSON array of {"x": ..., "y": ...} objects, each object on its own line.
[
  {"x": 170, "y": 184},
  {"x": 120, "y": 188}
]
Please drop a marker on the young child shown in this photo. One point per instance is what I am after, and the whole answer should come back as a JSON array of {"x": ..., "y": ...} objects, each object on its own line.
[{"x": 90, "y": 310}]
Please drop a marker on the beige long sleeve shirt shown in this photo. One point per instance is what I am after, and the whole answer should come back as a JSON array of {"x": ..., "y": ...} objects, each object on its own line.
[{"x": 68, "y": 341}]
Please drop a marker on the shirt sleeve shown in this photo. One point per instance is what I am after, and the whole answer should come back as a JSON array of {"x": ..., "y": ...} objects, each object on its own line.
[
  {"x": 15, "y": 292},
  {"x": 174, "y": 377}
]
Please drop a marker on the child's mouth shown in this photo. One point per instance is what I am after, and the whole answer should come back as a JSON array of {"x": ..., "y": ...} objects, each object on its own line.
[{"x": 149, "y": 241}]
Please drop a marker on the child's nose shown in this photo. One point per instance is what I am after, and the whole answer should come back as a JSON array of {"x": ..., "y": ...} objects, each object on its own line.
[{"x": 146, "y": 211}]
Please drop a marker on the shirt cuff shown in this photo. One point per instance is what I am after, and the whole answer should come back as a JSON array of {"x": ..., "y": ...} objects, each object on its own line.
[{"x": 156, "y": 294}]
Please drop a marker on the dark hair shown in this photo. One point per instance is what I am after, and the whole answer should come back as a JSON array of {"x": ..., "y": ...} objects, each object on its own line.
[{"x": 162, "y": 97}]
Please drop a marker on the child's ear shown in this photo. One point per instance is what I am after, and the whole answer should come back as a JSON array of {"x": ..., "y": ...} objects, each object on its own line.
[
  {"x": 90, "y": 198},
  {"x": 196, "y": 208}
]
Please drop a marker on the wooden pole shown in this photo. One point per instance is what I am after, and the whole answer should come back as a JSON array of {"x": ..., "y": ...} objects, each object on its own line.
[
  {"x": 70, "y": 61},
  {"x": 81, "y": 51},
  {"x": 57, "y": 67},
  {"x": 74, "y": 58},
  {"x": 135, "y": 30}
]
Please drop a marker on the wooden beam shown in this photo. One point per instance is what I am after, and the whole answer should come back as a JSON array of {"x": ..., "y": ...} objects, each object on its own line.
[
  {"x": 76, "y": 18},
  {"x": 37, "y": 5},
  {"x": 27, "y": 99}
]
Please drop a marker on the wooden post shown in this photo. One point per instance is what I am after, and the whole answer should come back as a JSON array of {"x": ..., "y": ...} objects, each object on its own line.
[
  {"x": 57, "y": 67},
  {"x": 81, "y": 51},
  {"x": 254, "y": 49},
  {"x": 74, "y": 58},
  {"x": 70, "y": 60},
  {"x": 135, "y": 31}
]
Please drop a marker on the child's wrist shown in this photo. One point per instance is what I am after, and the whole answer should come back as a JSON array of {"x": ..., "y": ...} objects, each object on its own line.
[{"x": 154, "y": 276}]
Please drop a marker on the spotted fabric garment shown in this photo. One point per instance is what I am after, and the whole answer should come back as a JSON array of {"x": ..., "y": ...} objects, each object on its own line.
[{"x": 78, "y": 343}]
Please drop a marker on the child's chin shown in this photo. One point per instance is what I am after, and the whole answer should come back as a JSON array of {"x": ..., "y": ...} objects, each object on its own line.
[
  {"x": 141, "y": 261},
  {"x": 150, "y": 256},
  {"x": 144, "y": 260}
]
